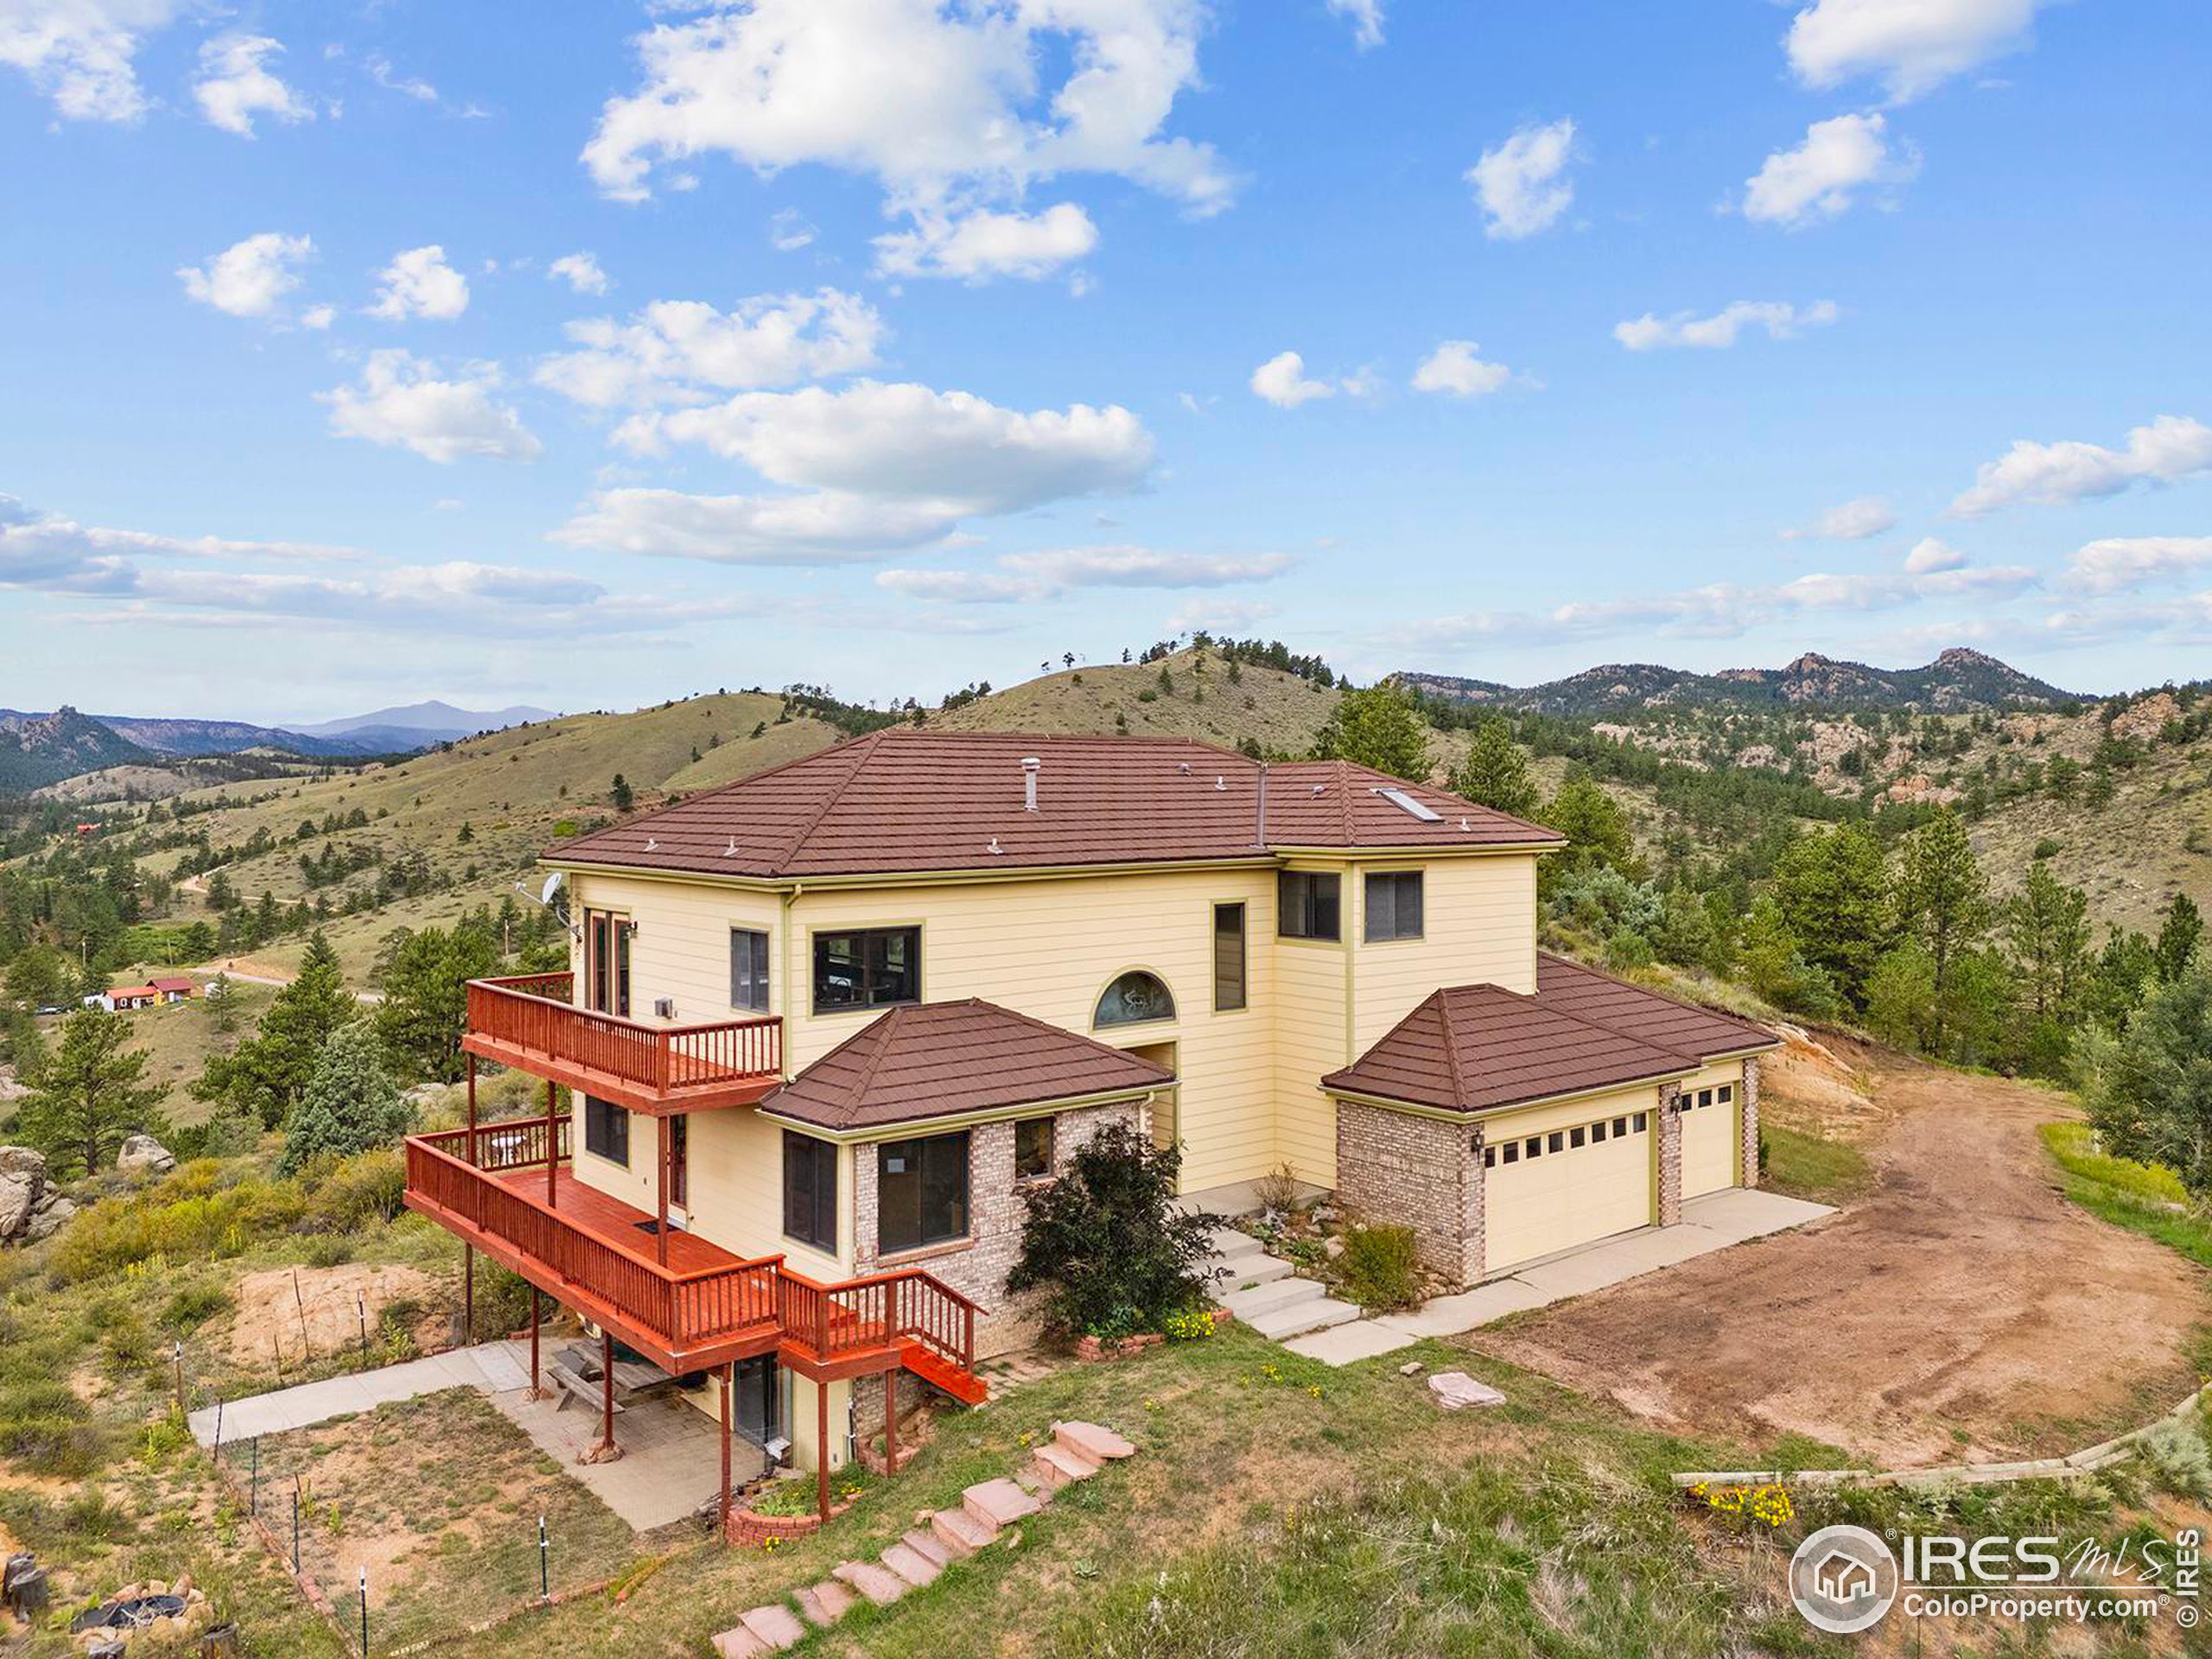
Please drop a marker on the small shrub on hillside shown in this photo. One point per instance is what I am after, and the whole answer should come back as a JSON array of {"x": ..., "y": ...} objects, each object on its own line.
[
  {"x": 194, "y": 1304},
  {"x": 351, "y": 1193},
  {"x": 1108, "y": 1236},
  {"x": 1379, "y": 1266},
  {"x": 327, "y": 1250}
]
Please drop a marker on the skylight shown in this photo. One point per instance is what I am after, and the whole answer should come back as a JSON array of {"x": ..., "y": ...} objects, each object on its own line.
[{"x": 1406, "y": 803}]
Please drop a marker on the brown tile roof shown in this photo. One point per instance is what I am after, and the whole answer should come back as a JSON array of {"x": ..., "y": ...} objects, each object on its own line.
[
  {"x": 1602, "y": 1000},
  {"x": 1474, "y": 1048},
  {"x": 939, "y": 1059},
  {"x": 901, "y": 800}
]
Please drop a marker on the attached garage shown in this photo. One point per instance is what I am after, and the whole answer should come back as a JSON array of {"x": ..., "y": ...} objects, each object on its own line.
[
  {"x": 1709, "y": 1112},
  {"x": 1560, "y": 1177}
]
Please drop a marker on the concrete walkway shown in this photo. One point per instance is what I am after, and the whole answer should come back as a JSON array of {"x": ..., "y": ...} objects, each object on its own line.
[
  {"x": 489, "y": 1368},
  {"x": 1711, "y": 1222}
]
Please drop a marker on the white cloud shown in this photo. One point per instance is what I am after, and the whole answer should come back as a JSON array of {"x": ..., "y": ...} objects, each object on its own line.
[
  {"x": 235, "y": 85},
  {"x": 949, "y": 107},
  {"x": 45, "y": 550},
  {"x": 789, "y": 231},
  {"x": 2172, "y": 447},
  {"x": 1819, "y": 180},
  {"x": 1911, "y": 46},
  {"x": 401, "y": 401},
  {"x": 1719, "y": 331},
  {"x": 2117, "y": 564},
  {"x": 1855, "y": 521},
  {"x": 414, "y": 86},
  {"x": 1453, "y": 369},
  {"x": 249, "y": 278},
  {"x": 581, "y": 271},
  {"x": 420, "y": 283},
  {"x": 318, "y": 316},
  {"x": 81, "y": 53},
  {"x": 682, "y": 351},
  {"x": 1929, "y": 556},
  {"x": 1219, "y": 616},
  {"x": 1027, "y": 577},
  {"x": 880, "y": 467},
  {"x": 1366, "y": 17},
  {"x": 1519, "y": 183},
  {"x": 978, "y": 245},
  {"x": 1281, "y": 380}
]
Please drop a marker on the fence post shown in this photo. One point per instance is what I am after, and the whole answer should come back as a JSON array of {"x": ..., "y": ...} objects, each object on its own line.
[
  {"x": 364, "y": 1613},
  {"x": 295, "y": 1525},
  {"x": 253, "y": 1482},
  {"x": 544, "y": 1563}
]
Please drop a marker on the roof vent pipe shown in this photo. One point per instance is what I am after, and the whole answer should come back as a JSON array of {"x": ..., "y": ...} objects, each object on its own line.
[{"x": 1029, "y": 769}]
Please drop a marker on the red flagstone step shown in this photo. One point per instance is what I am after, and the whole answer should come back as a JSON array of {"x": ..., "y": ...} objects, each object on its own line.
[
  {"x": 1089, "y": 1441},
  {"x": 825, "y": 1603},
  {"x": 1033, "y": 1483},
  {"x": 775, "y": 1625},
  {"x": 961, "y": 1533},
  {"x": 928, "y": 1546},
  {"x": 1061, "y": 1467},
  {"x": 1000, "y": 1503},
  {"x": 879, "y": 1583},
  {"x": 738, "y": 1643},
  {"x": 912, "y": 1565}
]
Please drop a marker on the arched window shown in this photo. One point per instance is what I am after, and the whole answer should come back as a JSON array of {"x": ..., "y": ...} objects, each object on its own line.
[{"x": 1134, "y": 999}]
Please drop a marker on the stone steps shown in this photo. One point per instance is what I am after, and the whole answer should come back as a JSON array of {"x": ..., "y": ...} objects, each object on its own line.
[
  {"x": 1314, "y": 1313},
  {"x": 1077, "y": 1451},
  {"x": 1263, "y": 1290},
  {"x": 1265, "y": 1299}
]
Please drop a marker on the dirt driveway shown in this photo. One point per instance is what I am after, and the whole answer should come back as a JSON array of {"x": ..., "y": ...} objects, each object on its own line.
[{"x": 1959, "y": 1309}]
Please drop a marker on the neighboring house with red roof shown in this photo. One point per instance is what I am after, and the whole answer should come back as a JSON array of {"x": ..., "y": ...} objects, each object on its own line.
[
  {"x": 825, "y": 1024},
  {"x": 173, "y": 987}
]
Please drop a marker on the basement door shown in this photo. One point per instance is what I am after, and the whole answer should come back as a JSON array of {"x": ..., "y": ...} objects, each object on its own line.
[
  {"x": 1709, "y": 1139},
  {"x": 1549, "y": 1192}
]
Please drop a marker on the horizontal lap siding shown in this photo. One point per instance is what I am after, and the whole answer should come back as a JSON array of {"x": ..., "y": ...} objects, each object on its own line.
[
  {"x": 1479, "y": 927},
  {"x": 1309, "y": 1042}
]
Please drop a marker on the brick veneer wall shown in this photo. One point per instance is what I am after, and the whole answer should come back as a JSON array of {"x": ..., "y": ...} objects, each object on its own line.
[
  {"x": 977, "y": 1266},
  {"x": 1749, "y": 1095},
  {"x": 1671, "y": 1154},
  {"x": 1422, "y": 1172}
]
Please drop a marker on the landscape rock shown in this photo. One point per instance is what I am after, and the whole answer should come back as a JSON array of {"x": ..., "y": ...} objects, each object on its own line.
[
  {"x": 22, "y": 1183},
  {"x": 1456, "y": 1389},
  {"x": 143, "y": 1156},
  {"x": 47, "y": 1220}
]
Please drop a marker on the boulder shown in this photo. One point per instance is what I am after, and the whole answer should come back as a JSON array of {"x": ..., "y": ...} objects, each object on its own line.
[
  {"x": 143, "y": 1156},
  {"x": 47, "y": 1220},
  {"x": 23, "y": 1184},
  {"x": 1454, "y": 1389}
]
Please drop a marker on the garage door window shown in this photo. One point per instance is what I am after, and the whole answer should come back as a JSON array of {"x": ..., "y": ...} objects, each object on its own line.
[{"x": 1726, "y": 1093}]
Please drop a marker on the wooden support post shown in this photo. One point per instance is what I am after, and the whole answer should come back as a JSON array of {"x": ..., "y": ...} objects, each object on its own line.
[
  {"x": 535, "y": 1316},
  {"x": 660, "y": 1229},
  {"x": 472, "y": 1109},
  {"x": 467, "y": 1294},
  {"x": 821, "y": 1447},
  {"x": 606, "y": 1452},
  {"x": 891, "y": 1421},
  {"x": 552, "y": 1143},
  {"x": 729, "y": 1408}
]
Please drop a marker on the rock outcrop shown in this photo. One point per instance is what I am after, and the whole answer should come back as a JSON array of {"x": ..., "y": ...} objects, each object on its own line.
[
  {"x": 31, "y": 1207},
  {"x": 143, "y": 1156}
]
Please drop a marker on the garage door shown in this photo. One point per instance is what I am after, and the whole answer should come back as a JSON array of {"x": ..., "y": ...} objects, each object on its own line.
[
  {"x": 1544, "y": 1193},
  {"x": 1708, "y": 1139}
]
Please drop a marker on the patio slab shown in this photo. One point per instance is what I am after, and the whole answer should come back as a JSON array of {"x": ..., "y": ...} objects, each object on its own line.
[{"x": 672, "y": 1454}]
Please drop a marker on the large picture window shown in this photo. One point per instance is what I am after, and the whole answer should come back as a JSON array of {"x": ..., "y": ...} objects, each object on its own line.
[
  {"x": 1228, "y": 958},
  {"x": 1134, "y": 999},
  {"x": 1307, "y": 905},
  {"x": 921, "y": 1190},
  {"x": 606, "y": 1130},
  {"x": 869, "y": 968},
  {"x": 748, "y": 969},
  {"x": 1394, "y": 905},
  {"x": 811, "y": 1190}
]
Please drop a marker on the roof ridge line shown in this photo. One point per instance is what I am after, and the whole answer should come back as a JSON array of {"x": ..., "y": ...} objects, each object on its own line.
[
  {"x": 867, "y": 745},
  {"x": 1645, "y": 990},
  {"x": 1645, "y": 1043},
  {"x": 1452, "y": 1047},
  {"x": 882, "y": 1045}
]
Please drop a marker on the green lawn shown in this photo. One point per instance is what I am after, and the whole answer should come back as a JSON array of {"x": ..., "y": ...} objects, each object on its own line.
[
  {"x": 2144, "y": 1198},
  {"x": 1810, "y": 1166}
]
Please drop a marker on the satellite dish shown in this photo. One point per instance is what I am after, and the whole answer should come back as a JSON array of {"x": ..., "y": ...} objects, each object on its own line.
[{"x": 552, "y": 885}]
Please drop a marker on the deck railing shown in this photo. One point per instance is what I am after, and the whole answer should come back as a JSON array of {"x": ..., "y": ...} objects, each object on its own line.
[
  {"x": 533, "y": 1012},
  {"x": 831, "y": 1320}
]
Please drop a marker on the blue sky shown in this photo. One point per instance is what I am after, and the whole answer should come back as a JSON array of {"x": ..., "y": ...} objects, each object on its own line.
[{"x": 359, "y": 354}]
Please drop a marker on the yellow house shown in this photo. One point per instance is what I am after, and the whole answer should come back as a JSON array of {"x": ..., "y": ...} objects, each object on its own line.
[{"x": 824, "y": 1026}]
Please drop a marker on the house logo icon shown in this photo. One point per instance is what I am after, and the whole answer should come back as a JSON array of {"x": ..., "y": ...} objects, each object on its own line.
[{"x": 1843, "y": 1579}]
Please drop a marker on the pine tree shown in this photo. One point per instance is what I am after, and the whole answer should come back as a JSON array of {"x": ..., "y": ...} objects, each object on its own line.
[
  {"x": 2047, "y": 926},
  {"x": 425, "y": 1006},
  {"x": 86, "y": 1095},
  {"x": 351, "y": 1104},
  {"x": 1942, "y": 899},
  {"x": 1595, "y": 827},
  {"x": 1378, "y": 727},
  {"x": 1495, "y": 774},
  {"x": 1833, "y": 892},
  {"x": 269, "y": 1072},
  {"x": 2148, "y": 1088},
  {"x": 621, "y": 794},
  {"x": 2179, "y": 930}
]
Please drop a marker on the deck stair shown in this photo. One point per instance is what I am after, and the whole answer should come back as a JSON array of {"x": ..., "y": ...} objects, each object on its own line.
[
  {"x": 939, "y": 1372},
  {"x": 1077, "y": 1451}
]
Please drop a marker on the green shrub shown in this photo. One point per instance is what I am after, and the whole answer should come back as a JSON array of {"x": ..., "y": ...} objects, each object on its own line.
[
  {"x": 1191, "y": 1324},
  {"x": 45, "y": 1430},
  {"x": 1107, "y": 1243},
  {"x": 326, "y": 1250},
  {"x": 194, "y": 1304},
  {"x": 1379, "y": 1266},
  {"x": 347, "y": 1193},
  {"x": 188, "y": 1216}
]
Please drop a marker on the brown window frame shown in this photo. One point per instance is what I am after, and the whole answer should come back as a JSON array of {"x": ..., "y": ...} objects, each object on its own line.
[
  {"x": 816, "y": 1202},
  {"x": 1231, "y": 990},
  {"x": 1042, "y": 1169}
]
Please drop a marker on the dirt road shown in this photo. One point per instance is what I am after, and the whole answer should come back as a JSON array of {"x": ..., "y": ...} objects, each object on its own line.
[{"x": 1960, "y": 1309}]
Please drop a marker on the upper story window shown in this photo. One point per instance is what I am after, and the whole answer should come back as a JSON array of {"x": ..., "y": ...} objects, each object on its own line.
[
  {"x": 1228, "y": 958},
  {"x": 810, "y": 1190},
  {"x": 606, "y": 1130},
  {"x": 607, "y": 962},
  {"x": 921, "y": 1192},
  {"x": 748, "y": 969},
  {"x": 1308, "y": 903},
  {"x": 868, "y": 967},
  {"x": 1133, "y": 999},
  {"x": 1394, "y": 905}
]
